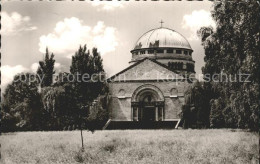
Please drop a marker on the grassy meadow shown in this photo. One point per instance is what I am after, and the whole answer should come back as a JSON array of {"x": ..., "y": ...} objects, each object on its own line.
[{"x": 131, "y": 146}]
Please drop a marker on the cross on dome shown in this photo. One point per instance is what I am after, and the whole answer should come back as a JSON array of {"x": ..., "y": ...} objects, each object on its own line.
[{"x": 161, "y": 23}]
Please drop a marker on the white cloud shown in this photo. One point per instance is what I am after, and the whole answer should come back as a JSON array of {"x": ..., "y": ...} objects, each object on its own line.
[
  {"x": 58, "y": 67},
  {"x": 107, "y": 5},
  {"x": 8, "y": 73},
  {"x": 98, "y": 28},
  {"x": 195, "y": 20},
  {"x": 34, "y": 67},
  {"x": 15, "y": 23},
  {"x": 71, "y": 32}
]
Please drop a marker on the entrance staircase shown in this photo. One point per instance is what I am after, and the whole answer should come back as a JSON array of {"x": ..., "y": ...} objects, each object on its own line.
[{"x": 110, "y": 125}]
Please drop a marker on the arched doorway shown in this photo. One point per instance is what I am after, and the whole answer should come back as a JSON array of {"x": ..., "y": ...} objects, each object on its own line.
[{"x": 147, "y": 104}]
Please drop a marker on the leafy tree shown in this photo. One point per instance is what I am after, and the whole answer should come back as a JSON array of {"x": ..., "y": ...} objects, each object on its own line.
[
  {"x": 63, "y": 78},
  {"x": 97, "y": 115},
  {"x": 195, "y": 112},
  {"x": 60, "y": 106},
  {"x": 21, "y": 103},
  {"x": 216, "y": 115},
  {"x": 98, "y": 109},
  {"x": 46, "y": 70},
  {"x": 88, "y": 71},
  {"x": 63, "y": 101},
  {"x": 186, "y": 116},
  {"x": 232, "y": 49}
]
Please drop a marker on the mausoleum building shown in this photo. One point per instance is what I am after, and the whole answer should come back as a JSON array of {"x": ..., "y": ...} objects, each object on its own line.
[{"x": 152, "y": 88}]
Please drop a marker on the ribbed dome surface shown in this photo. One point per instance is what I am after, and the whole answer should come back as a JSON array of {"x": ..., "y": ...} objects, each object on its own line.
[{"x": 162, "y": 37}]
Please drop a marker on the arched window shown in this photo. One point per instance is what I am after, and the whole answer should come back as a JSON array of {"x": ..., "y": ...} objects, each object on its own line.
[{"x": 148, "y": 98}]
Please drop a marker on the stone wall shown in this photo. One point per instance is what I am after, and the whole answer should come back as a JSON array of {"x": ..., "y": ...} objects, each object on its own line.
[{"x": 121, "y": 92}]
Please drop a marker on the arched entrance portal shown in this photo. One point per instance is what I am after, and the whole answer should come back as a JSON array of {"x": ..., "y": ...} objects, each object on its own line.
[{"x": 147, "y": 104}]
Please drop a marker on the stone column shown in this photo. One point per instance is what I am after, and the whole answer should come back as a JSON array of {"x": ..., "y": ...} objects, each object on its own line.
[
  {"x": 132, "y": 113},
  {"x": 137, "y": 113},
  {"x": 156, "y": 113},
  {"x": 162, "y": 113}
]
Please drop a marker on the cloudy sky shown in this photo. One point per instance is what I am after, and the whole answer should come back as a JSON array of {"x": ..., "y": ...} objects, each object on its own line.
[{"x": 113, "y": 27}]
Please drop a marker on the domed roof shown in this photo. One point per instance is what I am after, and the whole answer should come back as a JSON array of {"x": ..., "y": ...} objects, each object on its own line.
[{"x": 162, "y": 37}]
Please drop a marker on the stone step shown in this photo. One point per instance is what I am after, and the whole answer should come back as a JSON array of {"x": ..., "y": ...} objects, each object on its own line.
[{"x": 141, "y": 125}]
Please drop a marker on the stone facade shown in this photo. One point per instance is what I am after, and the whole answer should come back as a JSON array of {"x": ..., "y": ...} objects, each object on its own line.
[
  {"x": 124, "y": 86},
  {"x": 151, "y": 90}
]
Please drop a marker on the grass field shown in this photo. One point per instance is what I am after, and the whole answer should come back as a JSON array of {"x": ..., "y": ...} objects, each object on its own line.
[{"x": 131, "y": 146}]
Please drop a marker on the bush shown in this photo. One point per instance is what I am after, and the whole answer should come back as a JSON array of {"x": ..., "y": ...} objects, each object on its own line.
[
  {"x": 216, "y": 116},
  {"x": 69, "y": 128},
  {"x": 195, "y": 111},
  {"x": 98, "y": 114},
  {"x": 8, "y": 122}
]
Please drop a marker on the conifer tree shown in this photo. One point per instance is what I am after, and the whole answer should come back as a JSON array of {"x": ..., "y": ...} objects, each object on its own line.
[
  {"x": 90, "y": 66},
  {"x": 46, "y": 70}
]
